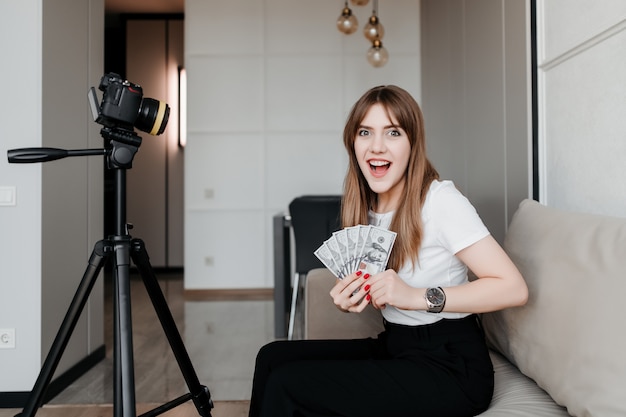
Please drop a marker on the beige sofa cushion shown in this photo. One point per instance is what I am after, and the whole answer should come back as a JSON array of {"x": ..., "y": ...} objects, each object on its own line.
[
  {"x": 517, "y": 395},
  {"x": 571, "y": 336},
  {"x": 322, "y": 318}
]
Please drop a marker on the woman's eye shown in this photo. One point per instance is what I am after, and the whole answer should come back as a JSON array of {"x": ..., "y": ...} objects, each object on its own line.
[
  {"x": 395, "y": 133},
  {"x": 363, "y": 132}
]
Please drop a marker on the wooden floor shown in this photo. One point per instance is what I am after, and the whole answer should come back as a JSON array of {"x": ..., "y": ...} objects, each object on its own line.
[
  {"x": 221, "y": 337},
  {"x": 222, "y": 409}
]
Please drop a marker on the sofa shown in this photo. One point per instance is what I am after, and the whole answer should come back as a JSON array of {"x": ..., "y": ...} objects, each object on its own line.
[{"x": 564, "y": 352}]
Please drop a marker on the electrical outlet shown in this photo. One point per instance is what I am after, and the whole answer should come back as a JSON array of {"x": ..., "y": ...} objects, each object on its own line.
[
  {"x": 7, "y": 196},
  {"x": 7, "y": 338}
]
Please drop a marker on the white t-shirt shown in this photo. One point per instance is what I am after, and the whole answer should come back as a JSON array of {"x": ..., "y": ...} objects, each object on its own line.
[{"x": 450, "y": 223}]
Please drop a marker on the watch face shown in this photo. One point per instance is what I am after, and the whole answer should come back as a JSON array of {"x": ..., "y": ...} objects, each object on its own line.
[{"x": 435, "y": 296}]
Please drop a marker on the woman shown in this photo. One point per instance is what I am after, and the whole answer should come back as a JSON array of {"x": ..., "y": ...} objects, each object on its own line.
[{"x": 432, "y": 358}]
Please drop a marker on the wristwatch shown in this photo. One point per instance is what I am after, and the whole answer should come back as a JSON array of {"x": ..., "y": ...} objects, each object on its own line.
[{"x": 435, "y": 299}]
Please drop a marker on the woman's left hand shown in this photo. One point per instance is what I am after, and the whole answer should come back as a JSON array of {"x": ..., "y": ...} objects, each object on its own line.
[
  {"x": 350, "y": 294},
  {"x": 387, "y": 288}
]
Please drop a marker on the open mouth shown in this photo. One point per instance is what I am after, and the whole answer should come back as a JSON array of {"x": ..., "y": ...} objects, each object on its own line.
[{"x": 379, "y": 167}]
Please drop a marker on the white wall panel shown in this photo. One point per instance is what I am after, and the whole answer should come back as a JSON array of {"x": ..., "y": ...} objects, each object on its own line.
[
  {"x": 293, "y": 26},
  {"x": 233, "y": 27},
  {"x": 225, "y": 93},
  {"x": 585, "y": 143},
  {"x": 303, "y": 93},
  {"x": 231, "y": 177},
  {"x": 228, "y": 249},
  {"x": 570, "y": 23},
  {"x": 304, "y": 163}
]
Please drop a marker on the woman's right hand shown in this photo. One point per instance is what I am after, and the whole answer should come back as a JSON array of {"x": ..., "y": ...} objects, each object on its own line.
[{"x": 350, "y": 294}]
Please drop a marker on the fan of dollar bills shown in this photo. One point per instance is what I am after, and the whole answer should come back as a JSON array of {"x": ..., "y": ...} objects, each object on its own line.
[{"x": 364, "y": 248}]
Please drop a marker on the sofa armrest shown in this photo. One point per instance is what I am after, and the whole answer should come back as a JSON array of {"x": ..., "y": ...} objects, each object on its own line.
[{"x": 323, "y": 320}]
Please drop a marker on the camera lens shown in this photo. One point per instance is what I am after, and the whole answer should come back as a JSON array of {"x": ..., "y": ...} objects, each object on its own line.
[{"x": 152, "y": 117}]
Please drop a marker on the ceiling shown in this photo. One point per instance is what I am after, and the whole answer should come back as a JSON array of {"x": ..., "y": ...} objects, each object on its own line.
[{"x": 144, "y": 6}]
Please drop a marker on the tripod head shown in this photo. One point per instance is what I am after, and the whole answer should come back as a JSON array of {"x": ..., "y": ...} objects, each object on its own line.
[{"x": 122, "y": 145}]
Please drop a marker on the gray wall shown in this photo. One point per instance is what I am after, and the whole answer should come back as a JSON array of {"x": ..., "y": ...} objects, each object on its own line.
[
  {"x": 52, "y": 53},
  {"x": 72, "y": 209},
  {"x": 476, "y": 99}
]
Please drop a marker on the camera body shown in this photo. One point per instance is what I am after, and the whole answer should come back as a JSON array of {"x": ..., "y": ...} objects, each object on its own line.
[
  {"x": 121, "y": 101},
  {"x": 124, "y": 107}
]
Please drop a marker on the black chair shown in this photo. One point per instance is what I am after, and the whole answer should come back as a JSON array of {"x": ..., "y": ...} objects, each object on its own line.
[{"x": 313, "y": 220}]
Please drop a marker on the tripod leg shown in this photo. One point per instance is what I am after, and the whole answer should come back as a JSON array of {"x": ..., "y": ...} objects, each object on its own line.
[
  {"x": 200, "y": 394},
  {"x": 96, "y": 262},
  {"x": 123, "y": 362}
]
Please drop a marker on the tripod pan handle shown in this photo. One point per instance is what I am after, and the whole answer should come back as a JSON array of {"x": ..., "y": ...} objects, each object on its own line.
[{"x": 30, "y": 155}]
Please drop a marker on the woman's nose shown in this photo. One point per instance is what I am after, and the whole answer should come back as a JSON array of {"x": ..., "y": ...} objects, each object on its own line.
[{"x": 378, "y": 144}]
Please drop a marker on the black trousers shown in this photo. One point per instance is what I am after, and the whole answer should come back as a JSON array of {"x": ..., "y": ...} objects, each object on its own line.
[{"x": 441, "y": 369}]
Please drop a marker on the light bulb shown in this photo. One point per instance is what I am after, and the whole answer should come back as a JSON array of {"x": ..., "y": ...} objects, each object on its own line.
[
  {"x": 359, "y": 2},
  {"x": 374, "y": 29},
  {"x": 377, "y": 55},
  {"x": 347, "y": 22}
]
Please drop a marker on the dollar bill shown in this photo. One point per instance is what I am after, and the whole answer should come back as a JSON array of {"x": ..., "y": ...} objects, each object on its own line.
[
  {"x": 376, "y": 250},
  {"x": 324, "y": 254},
  {"x": 352, "y": 237},
  {"x": 341, "y": 238}
]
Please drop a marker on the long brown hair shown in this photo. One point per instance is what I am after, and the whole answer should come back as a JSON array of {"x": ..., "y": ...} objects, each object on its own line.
[{"x": 358, "y": 198}]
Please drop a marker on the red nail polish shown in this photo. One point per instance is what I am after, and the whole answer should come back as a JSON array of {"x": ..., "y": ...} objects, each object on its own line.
[
  {"x": 366, "y": 276},
  {"x": 358, "y": 273},
  {"x": 367, "y": 288},
  {"x": 368, "y": 297}
]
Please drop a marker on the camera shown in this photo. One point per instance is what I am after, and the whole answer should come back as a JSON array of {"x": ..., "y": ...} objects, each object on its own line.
[{"x": 123, "y": 106}]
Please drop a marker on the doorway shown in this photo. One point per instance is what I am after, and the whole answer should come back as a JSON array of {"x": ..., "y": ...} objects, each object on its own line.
[{"x": 149, "y": 50}]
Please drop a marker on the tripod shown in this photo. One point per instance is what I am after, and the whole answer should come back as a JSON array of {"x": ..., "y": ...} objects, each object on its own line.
[{"x": 120, "y": 248}]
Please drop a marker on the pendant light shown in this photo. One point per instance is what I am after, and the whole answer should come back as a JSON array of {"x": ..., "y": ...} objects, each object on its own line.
[
  {"x": 374, "y": 29},
  {"x": 347, "y": 22},
  {"x": 377, "y": 55}
]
